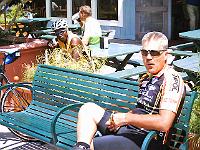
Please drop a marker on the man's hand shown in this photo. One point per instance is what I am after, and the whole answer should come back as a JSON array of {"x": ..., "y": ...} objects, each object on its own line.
[{"x": 116, "y": 121}]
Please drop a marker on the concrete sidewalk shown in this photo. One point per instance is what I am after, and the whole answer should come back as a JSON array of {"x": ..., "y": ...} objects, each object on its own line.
[{"x": 8, "y": 141}]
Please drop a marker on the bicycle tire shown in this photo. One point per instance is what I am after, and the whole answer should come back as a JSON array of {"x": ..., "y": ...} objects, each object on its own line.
[{"x": 16, "y": 99}]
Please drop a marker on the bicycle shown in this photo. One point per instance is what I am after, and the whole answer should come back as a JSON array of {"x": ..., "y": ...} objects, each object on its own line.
[{"x": 14, "y": 98}]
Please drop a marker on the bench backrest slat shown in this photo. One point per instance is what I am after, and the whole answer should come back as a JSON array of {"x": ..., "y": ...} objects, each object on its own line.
[{"x": 58, "y": 87}]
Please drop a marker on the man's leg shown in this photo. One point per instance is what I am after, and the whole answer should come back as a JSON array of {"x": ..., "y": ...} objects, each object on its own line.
[
  {"x": 114, "y": 142},
  {"x": 89, "y": 116}
]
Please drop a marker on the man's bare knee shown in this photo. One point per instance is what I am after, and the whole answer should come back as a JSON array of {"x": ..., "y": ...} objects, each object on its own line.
[
  {"x": 92, "y": 110},
  {"x": 87, "y": 107}
]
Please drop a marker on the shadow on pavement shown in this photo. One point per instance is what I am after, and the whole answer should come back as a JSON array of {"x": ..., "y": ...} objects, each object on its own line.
[{"x": 9, "y": 141}]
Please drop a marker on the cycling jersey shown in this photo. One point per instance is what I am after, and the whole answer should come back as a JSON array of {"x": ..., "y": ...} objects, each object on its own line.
[
  {"x": 66, "y": 45},
  {"x": 162, "y": 91}
]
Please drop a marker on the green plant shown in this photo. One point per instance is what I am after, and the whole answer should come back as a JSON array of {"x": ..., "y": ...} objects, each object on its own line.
[
  {"x": 8, "y": 16},
  {"x": 15, "y": 10},
  {"x": 60, "y": 58},
  {"x": 194, "y": 140}
]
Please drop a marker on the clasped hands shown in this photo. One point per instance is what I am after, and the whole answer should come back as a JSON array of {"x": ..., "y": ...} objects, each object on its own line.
[{"x": 115, "y": 121}]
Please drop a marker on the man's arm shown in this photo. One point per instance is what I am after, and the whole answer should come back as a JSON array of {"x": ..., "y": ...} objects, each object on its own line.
[{"x": 161, "y": 122}]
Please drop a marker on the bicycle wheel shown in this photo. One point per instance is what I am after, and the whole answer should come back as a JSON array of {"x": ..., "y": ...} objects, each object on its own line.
[{"x": 16, "y": 99}]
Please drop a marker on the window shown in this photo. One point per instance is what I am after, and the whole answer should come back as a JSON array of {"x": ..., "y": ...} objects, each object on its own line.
[
  {"x": 107, "y": 10},
  {"x": 110, "y": 12},
  {"x": 78, "y": 3},
  {"x": 59, "y": 8}
]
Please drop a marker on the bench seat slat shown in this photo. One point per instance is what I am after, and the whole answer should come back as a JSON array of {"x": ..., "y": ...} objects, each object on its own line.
[
  {"x": 38, "y": 128},
  {"x": 100, "y": 96},
  {"x": 105, "y": 96},
  {"x": 65, "y": 119},
  {"x": 39, "y": 123}
]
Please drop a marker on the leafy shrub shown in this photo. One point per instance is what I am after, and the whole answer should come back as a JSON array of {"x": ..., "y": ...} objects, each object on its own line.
[
  {"x": 13, "y": 11},
  {"x": 194, "y": 140},
  {"x": 58, "y": 57}
]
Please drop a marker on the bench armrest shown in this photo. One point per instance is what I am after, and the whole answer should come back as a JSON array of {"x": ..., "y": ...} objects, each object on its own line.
[
  {"x": 147, "y": 140},
  {"x": 56, "y": 116},
  {"x": 22, "y": 84}
]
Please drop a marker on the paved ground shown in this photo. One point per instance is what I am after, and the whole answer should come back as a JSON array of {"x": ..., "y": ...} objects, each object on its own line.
[{"x": 9, "y": 141}]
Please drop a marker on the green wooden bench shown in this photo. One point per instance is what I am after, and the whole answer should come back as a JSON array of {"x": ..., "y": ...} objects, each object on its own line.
[{"x": 57, "y": 95}]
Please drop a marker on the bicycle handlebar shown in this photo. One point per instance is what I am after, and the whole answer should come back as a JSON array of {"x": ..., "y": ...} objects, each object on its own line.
[{"x": 11, "y": 55}]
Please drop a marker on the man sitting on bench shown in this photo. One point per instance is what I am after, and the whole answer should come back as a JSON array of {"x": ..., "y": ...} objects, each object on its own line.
[{"x": 161, "y": 91}]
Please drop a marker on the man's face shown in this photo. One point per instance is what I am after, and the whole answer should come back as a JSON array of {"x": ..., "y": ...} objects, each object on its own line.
[
  {"x": 154, "y": 61},
  {"x": 62, "y": 35}
]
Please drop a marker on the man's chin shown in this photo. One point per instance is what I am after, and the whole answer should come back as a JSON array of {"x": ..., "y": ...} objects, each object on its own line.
[{"x": 152, "y": 71}]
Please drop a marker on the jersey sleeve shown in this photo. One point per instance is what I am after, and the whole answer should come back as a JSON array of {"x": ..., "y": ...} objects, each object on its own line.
[{"x": 173, "y": 91}]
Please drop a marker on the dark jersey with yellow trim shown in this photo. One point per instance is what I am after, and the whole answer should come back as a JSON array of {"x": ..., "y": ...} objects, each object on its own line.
[{"x": 162, "y": 91}]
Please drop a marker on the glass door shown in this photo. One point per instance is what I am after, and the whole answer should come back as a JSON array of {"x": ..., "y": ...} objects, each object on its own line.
[{"x": 151, "y": 15}]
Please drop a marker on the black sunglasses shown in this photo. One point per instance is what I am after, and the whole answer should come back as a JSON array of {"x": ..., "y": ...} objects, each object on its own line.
[{"x": 151, "y": 52}]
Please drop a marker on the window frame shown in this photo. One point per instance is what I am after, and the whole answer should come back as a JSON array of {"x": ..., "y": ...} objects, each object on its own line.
[{"x": 118, "y": 22}]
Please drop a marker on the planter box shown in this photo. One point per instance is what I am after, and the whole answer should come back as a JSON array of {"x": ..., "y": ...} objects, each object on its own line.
[{"x": 28, "y": 53}]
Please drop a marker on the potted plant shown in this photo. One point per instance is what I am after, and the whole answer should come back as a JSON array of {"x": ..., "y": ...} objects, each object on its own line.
[{"x": 58, "y": 57}]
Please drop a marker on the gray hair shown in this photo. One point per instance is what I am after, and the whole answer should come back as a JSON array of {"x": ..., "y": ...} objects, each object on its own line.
[{"x": 155, "y": 36}]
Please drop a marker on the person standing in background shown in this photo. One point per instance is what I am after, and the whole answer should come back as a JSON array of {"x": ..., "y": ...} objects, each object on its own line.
[
  {"x": 91, "y": 26},
  {"x": 193, "y": 13}
]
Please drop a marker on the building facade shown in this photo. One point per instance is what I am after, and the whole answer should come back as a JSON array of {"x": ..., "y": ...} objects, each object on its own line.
[{"x": 130, "y": 19}]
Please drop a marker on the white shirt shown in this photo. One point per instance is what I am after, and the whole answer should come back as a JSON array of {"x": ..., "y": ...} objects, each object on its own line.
[{"x": 92, "y": 28}]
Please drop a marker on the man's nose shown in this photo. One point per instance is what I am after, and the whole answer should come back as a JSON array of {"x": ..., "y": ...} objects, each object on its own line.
[{"x": 149, "y": 56}]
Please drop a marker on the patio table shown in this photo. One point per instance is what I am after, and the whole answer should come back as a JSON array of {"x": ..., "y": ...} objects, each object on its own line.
[
  {"x": 182, "y": 53},
  {"x": 190, "y": 65},
  {"x": 193, "y": 35},
  {"x": 114, "y": 50}
]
